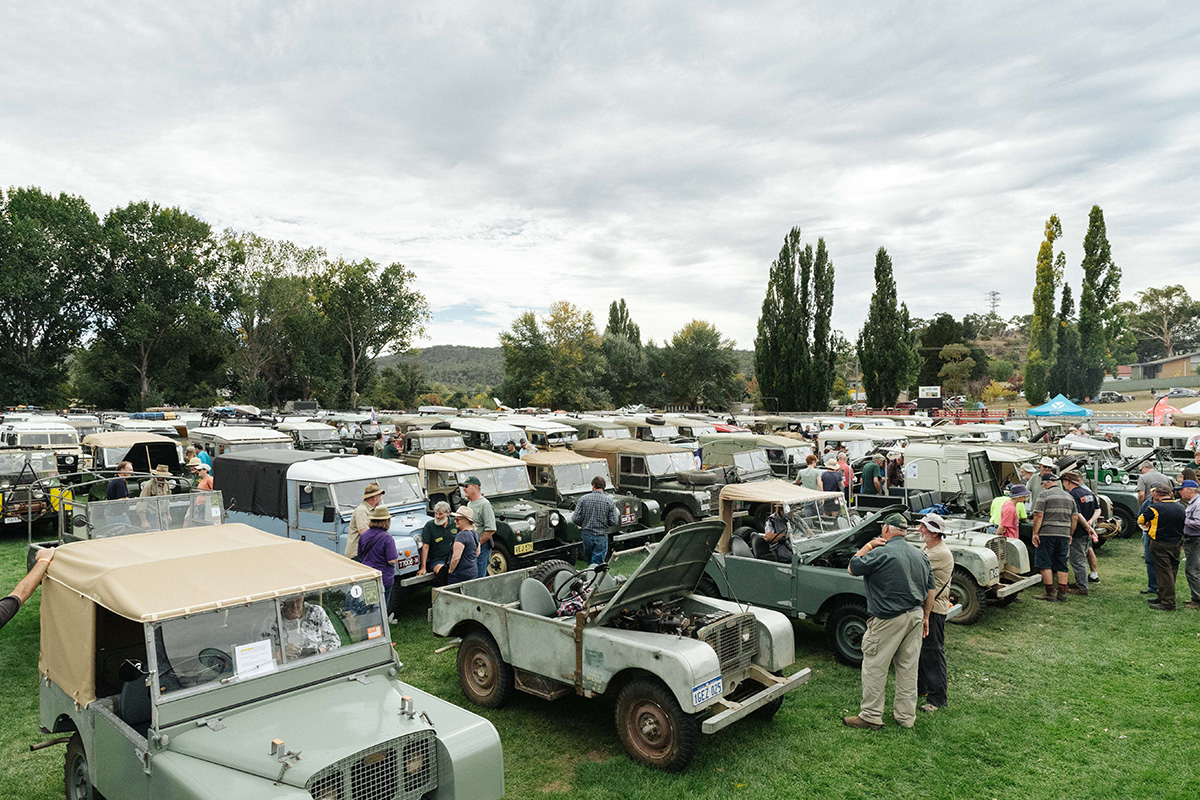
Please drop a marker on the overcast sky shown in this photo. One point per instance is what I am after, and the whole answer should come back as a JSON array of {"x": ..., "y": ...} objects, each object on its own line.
[{"x": 514, "y": 154}]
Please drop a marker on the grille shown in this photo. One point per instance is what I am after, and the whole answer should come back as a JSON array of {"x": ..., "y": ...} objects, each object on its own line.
[
  {"x": 401, "y": 769},
  {"x": 999, "y": 546},
  {"x": 735, "y": 639},
  {"x": 541, "y": 526}
]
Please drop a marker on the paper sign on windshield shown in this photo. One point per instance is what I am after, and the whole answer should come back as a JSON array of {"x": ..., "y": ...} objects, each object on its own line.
[{"x": 253, "y": 659}]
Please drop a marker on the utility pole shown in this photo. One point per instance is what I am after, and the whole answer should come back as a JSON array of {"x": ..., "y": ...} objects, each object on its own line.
[{"x": 993, "y": 300}]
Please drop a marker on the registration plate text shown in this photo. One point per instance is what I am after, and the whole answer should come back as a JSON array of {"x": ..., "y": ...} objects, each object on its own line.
[
  {"x": 707, "y": 691},
  {"x": 523, "y": 548}
]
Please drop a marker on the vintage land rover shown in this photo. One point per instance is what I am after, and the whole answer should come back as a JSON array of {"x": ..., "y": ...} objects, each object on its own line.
[
  {"x": 486, "y": 434},
  {"x": 678, "y": 664},
  {"x": 315, "y": 437},
  {"x": 224, "y": 662},
  {"x": 418, "y": 443},
  {"x": 659, "y": 472}
]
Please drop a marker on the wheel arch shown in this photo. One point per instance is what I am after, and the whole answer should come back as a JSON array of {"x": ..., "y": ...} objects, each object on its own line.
[{"x": 836, "y": 600}]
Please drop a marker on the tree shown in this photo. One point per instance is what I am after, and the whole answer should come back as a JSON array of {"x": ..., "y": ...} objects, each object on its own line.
[
  {"x": 398, "y": 386},
  {"x": 373, "y": 309},
  {"x": 703, "y": 367},
  {"x": 885, "y": 344},
  {"x": 555, "y": 362},
  {"x": 1167, "y": 316},
  {"x": 781, "y": 346},
  {"x": 155, "y": 305},
  {"x": 525, "y": 351},
  {"x": 49, "y": 265},
  {"x": 956, "y": 370},
  {"x": 1067, "y": 378},
  {"x": 620, "y": 324},
  {"x": 1042, "y": 334},
  {"x": 625, "y": 369},
  {"x": 1100, "y": 318},
  {"x": 817, "y": 387}
]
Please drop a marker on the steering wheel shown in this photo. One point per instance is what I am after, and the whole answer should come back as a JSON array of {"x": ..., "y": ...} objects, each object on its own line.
[
  {"x": 214, "y": 659},
  {"x": 566, "y": 586}
]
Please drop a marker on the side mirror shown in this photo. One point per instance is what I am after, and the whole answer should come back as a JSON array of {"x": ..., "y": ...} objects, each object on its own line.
[
  {"x": 80, "y": 521},
  {"x": 329, "y": 515},
  {"x": 130, "y": 671}
]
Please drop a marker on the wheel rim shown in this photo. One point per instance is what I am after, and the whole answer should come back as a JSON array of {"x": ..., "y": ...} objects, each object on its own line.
[
  {"x": 480, "y": 672},
  {"x": 650, "y": 729},
  {"x": 497, "y": 563},
  {"x": 850, "y": 634},
  {"x": 81, "y": 784}
]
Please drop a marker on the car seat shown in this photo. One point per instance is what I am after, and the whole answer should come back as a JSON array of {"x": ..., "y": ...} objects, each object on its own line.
[
  {"x": 761, "y": 548},
  {"x": 536, "y": 599},
  {"x": 740, "y": 548},
  {"x": 134, "y": 709}
]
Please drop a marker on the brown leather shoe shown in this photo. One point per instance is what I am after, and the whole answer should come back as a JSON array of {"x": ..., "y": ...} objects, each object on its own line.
[
  {"x": 859, "y": 722},
  {"x": 1076, "y": 590}
]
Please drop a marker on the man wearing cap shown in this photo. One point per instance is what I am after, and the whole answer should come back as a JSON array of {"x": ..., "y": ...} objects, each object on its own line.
[
  {"x": 1011, "y": 511},
  {"x": 931, "y": 670},
  {"x": 390, "y": 451},
  {"x": 361, "y": 518},
  {"x": 1054, "y": 520},
  {"x": 1034, "y": 484},
  {"x": 1149, "y": 477},
  {"x": 200, "y": 469},
  {"x": 1084, "y": 533},
  {"x": 900, "y": 596},
  {"x": 874, "y": 478},
  {"x": 463, "y": 553},
  {"x": 596, "y": 515},
  {"x": 157, "y": 486},
  {"x": 484, "y": 519},
  {"x": 1163, "y": 520},
  {"x": 1189, "y": 493},
  {"x": 377, "y": 548}
]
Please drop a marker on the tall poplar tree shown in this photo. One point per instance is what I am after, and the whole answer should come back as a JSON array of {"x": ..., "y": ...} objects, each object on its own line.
[
  {"x": 1101, "y": 321},
  {"x": 779, "y": 345},
  {"x": 818, "y": 382},
  {"x": 885, "y": 345},
  {"x": 1067, "y": 376},
  {"x": 1042, "y": 333}
]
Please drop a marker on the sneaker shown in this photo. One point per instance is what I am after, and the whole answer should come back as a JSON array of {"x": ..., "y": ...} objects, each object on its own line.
[
  {"x": 1161, "y": 607},
  {"x": 928, "y": 707},
  {"x": 859, "y": 722},
  {"x": 1094, "y": 577},
  {"x": 1191, "y": 604}
]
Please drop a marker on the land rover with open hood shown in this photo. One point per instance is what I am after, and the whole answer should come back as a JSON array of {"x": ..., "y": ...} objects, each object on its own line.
[
  {"x": 677, "y": 663},
  {"x": 660, "y": 472},
  {"x": 223, "y": 662},
  {"x": 314, "y": 437},
  {"x": 527, "y": 529},
  {"x": 311, "y": 496},
  {"x": 561, "y": 477}
]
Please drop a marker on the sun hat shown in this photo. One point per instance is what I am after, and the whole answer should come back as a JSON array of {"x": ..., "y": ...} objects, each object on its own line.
[
  {"x": 1020, "y": 490},
  {"x": 161, "y": 471},
  {"x": 1047, "y": 461},
  {"x": 195, "y": 462},
  {"x": 934, "y": 523},
  {"x": 379, "y": 513},
  {"x": 371, "y": 490},
  {"x": 831, "y": 463},
  {"x": 466, "y": 513}
]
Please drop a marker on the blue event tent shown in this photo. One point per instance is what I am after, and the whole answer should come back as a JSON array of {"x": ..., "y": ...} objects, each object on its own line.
[{"x": 1059, "y": 407}]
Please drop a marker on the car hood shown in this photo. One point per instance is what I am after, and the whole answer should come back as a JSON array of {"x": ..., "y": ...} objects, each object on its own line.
[
  {"x": 820, "y": 544},
  {"x": 324, "y": 725},
  {"x": 674, "y": 567}
]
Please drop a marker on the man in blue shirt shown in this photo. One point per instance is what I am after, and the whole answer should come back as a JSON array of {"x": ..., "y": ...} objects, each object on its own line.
[
  {"x": 900, "y": 595},
  {"x": 118, "y": 487},
  {"x": 596, "y": 514}
]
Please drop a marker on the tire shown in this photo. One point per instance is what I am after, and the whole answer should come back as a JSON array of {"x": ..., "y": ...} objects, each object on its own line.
[
  {"x": 486, "y": 679},
  {"x": 708, "y": 587},
  {"x": 746, "y": 533},
  {"x": 1126, "y": 520},
  {"x": 766, "y": 712},
  {"x": 844, "y": 629},
  {"x": 653, "y": 728},
  {"x": 500, "y": 560},
  {"x": 547, "y": 571},
  {"x": 675, "y": 517},
  {"x": 973, "y": 597},
  {"x": 77, "y": 782},
  {"x": 696, "y": 477}
]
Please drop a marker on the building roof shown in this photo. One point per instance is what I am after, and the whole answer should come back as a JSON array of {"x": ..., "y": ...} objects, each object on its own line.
[{"x": 1175, "y": 357}]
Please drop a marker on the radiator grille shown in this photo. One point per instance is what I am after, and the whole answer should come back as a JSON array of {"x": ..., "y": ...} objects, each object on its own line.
[
  {"x": 999, "y": 546},
  {"x": 541, "y": 526},
  {"x": 735, "y": 639},
  {"x": 402, "y": 769}
]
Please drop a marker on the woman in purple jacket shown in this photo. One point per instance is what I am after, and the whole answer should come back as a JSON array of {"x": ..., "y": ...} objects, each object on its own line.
[{"x": 377, "y": 548}]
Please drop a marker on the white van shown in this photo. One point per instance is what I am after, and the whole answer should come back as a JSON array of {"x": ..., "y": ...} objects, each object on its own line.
[
  {"x": 1147, "y": 438},
  {"x": 236, "y": 438}
]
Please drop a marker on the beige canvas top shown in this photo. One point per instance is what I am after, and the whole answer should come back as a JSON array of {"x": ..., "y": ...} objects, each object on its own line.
[
  {"x": 458, "y": 460},
  {"x": 603, "y": 447},
  {"x": 545, "y": 458},
  {"x": 124, "y": 439},
  {"x": 773, "y": 491},
  {"x": 150, "y": 577}
]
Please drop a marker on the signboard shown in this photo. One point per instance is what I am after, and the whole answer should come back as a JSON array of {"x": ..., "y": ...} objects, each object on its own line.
[{"x": 929, "y": 392}]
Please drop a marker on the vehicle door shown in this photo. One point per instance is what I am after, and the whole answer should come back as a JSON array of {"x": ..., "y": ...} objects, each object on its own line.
[
  {"x": 308, "y": 502},
  {"x": 983, "y": 480},
  {"x": 633, "y": 473},
  {"x": 763, "y": 582}
]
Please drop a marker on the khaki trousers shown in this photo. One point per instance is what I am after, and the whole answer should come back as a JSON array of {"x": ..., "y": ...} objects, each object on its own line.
[{"x": 895, "y": 642}]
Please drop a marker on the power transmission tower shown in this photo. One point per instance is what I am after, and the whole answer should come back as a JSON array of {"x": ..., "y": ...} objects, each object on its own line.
[{"x": 993, "y": 300}]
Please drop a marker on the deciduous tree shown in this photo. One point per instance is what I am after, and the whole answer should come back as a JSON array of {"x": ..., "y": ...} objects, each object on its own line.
[
  {"x": 1167, "y": 316},
  {"x": 703, "y": 367}
]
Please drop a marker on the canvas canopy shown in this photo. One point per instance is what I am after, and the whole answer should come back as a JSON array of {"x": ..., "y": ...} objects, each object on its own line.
[
  {"x": 604, "y": 447},
  {"x": 1086, "y": 444},
  {"x": 255, "y": 481},
  {"x": 1059, "y": 407},
  {"x": 116, "y": 439},
  {"x": 545, "y": 459},
  {"x": 150, "y": 577},
  {"x": 461, "y": 460},
  {"x": 772, "y": 491}
]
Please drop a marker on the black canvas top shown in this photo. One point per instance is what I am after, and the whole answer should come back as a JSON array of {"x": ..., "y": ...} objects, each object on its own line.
[{"x": 255, "y": 481}]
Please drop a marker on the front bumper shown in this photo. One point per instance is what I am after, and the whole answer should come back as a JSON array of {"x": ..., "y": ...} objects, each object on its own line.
[
  {"x": 1012, "y": 588},
  {"x": 733, "y": 710}
]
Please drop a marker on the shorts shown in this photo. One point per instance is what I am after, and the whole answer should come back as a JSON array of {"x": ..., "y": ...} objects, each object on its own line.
[{"x": 1051, "y": 554}]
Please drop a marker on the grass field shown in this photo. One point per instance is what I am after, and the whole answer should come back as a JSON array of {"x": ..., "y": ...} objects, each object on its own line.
[{"x": 1094, "y": 698}]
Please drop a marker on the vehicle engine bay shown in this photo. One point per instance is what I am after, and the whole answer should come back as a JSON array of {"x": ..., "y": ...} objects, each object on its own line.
[{"x": 661, "y": 616}]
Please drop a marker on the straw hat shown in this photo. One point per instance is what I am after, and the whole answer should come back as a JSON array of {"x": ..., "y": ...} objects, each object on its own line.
[
  {"x": 161, "y": 471},
  {"x": 371, "y": 490}
]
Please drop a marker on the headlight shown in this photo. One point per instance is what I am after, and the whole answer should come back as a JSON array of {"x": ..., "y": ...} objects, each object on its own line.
[
  {"x": 555, "y": 519},
  {"x": 39, "y": 494}
]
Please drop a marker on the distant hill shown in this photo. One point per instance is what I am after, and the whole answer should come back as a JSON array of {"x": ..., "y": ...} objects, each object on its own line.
[{"x": 461, "y": 367}]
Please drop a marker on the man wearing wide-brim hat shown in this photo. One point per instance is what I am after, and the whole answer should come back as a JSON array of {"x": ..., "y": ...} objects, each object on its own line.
[
  {"x": 157, "y": 486},
  {"x": 361, "y": 518},
  {"x": 900, "y": 596}
]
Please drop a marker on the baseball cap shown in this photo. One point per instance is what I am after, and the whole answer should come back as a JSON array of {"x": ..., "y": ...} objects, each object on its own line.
[
  {"x": 1049, "y": 476},
  {"x": 933, "y": 522},
  {"x": 471, "y": 481},
  {"x": 1189, "y": 485},
  {"x": 896, "y": 520}
]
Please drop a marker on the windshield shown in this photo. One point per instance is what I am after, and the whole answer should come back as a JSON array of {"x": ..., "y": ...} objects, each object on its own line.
[
  {"x": 696, "y": 431},
  {"x": 660, "y": 433},
  {"x": 562, "y": 437},
  {"x": 244, "y": 642},
  {"x": 818, "y": 516},
  {"x": 43, "y": 464},
  {"x": 502, "y": 438},
  {"x": 436, "y": 443},
  {"x": 398, "y": 490},
  {"x": 664, "y": 465},
  {"x": 238, "y": 448},
  {"x": 787, "y": 455},
  {"x": 326, "y": 435},
  {"x": 42, "y": 439},
  {"x": 614, "y": 433},
  {"x": 105, "y": 518},
  {"x": 751, "y": 461},
  {"x": 568, "y": 478}
]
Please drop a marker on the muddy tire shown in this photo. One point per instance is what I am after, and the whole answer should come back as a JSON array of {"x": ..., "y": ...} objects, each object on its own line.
[
  {"x": 676, "y": 517},
  {"x": 547, "y": 571},
  {"x": 844, "y": 629},
  {"x": 77, "y": 780},
  {"x": 708, "y": 587},
  {"x": 653, "y": 728},
  {"x": 971, "y": 595},
  {"x": 486, "y": 679}
]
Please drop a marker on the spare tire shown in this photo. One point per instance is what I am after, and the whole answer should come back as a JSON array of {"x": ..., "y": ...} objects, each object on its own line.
[
  {"x": 655, "y": 419},
  {"x": 696, "y": 477},
  {"x": 547, "y": 571}
]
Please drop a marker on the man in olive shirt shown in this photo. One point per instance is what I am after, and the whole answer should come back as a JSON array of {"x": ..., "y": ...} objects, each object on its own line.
[
  {"x": 485, "y": 521},
  {"x": 1055, "y": 516},
  {"x": 1164, "y": 520},
  {"x": 900, "y": 596},
  {"x": 874, "y": 479}
]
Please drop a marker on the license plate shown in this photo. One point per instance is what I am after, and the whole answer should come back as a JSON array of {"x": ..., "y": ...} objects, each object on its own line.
[
  {"x": 707, "y": 691},
  {"x": 523, "y": 548},
  {"x": 408, "y": 561},
  {"x": 12, "y": 519},
  {"x": 628, "y": 519}
]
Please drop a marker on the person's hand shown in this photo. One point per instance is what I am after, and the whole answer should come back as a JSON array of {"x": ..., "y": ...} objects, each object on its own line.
[
  {"x": 877, "y": 541},
  {"x": 925, "y": 628},
  {"x": 421, "y": 571},
  {"x": 437, "y": 568},
  {"x": 293, "y": 651},
  {"x": 1095, "y": 536},
  {"x": 45, "y": 555},
  {"x": 1037, "y": 540}
]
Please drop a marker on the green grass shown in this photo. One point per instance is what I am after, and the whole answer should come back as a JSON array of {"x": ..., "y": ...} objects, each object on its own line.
[{"x": 1095, "y": 698}]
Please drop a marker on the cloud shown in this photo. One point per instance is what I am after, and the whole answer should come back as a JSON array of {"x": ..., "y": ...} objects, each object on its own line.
[{"x": 523, "y": 153}]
